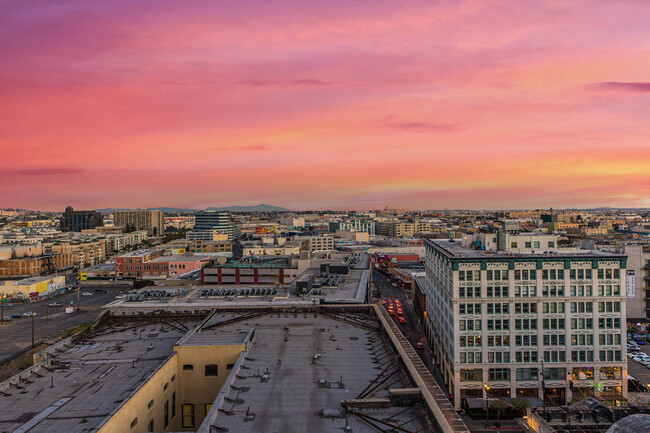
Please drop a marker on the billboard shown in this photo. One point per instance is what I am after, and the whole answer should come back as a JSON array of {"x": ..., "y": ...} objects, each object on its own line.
[{"x": 630, "y": 284}]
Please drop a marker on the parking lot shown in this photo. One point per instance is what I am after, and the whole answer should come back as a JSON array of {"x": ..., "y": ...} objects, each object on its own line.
[{"x": 16, "y": 335}]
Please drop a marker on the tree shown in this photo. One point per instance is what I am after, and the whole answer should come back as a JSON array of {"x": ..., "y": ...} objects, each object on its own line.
[{"x": 142, "y": 283}]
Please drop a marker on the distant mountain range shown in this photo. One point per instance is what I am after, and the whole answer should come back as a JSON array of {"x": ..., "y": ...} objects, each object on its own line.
[
  {"x": 164, "y": 209},
  {"x": 257, "y": 208}
]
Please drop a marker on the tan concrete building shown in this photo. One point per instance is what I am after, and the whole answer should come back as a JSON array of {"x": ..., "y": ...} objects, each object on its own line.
[
  {"x": 150, "y": 220},
  {"x": 402, "y": 229},
  {"x": 33, "y": 266}
]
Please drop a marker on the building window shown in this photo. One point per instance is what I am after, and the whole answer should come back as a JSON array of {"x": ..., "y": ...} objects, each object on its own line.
[
  {"x": 555, "y": 373},
  {"x": 211, "y": 370},
  {"x": 556, "y": 339},
  {"x": 188, "y": 367},
  {"x": 166, "y": 414},
  {"x": 150, "y": 427},
  {"x": 174, "y": 405},
  {"x": 498, "y": 357},
  {"x": 471, "y": 375},
  {"x": 524, "y": 374},
  {"x": 526, "y": 340},
  {"x": 208, "y": 406},
  {"x": 150, "y": 405},
  {"x": 229, "y": 366},
  {"x": 525, "y": 356},
  {"x": 188, "y": 416},
  {"x": 498, "y": 374}
]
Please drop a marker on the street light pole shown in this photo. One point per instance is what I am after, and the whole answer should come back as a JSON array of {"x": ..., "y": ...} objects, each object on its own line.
[
  {"x": 32, "y": 330},
  {"x": 487, "y": 405},
  {"x": 543, "y": 389}
]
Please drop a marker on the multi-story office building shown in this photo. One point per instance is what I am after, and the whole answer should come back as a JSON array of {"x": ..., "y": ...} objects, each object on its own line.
[
  {"x": 356, "y": 224},
  {"x": 317, "y": 243},
  {"x": 208, "y": 222},
  {"x": 545, "y": 324},
  {"x": 78, "y": 220},
  {"x": 150, "y": 220},
  {"x": 402, "y": 229}
]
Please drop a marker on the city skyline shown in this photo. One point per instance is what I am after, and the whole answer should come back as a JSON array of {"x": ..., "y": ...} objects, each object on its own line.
[{"x": 326, "y": 105}]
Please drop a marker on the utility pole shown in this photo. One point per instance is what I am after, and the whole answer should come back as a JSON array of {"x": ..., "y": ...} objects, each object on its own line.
[
  {"x": 487, "y": 405},
  {"x": 32, "y": 330}
]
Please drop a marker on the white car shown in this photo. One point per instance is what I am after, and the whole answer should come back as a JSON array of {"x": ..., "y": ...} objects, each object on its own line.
[
  {"x": 86, "y": 294},
  {"x": 119, "y": 297},
  {"x": 29, "y": 314}
]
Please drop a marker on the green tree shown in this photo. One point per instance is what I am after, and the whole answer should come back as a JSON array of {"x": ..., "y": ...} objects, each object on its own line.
[{"x": 142, "y": 283}]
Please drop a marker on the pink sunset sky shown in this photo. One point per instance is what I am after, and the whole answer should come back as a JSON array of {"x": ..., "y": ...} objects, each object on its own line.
[{"x": 325, "y": 104}]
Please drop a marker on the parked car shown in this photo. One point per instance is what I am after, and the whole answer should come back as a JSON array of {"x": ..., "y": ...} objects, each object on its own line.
[
  {"x": 86, "y": 294},
  {"x": 420, "y": 346},
  {"x": 119, "y": 297},
  {"x": 16, "y": 316},
  {"x": 401, "y": 319},
  {"x": 6, "y": 318},
  {"x": 640, "y": 342},
  {"x": 54, "y": 304},
  {"x": 30, "y": 314}
]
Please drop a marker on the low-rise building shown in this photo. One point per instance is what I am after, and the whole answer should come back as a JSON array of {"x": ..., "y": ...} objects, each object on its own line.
[{"x": 31, "y": 288}]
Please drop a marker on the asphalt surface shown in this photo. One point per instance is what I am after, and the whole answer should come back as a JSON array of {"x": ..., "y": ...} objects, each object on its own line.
[
  {"x": 16, "y": 335},
  {"x": 413, "y": 330},
  {"x": 639, "y": 371}
]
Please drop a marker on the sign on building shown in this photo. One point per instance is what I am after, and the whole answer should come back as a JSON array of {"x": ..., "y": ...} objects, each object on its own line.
[{"x": 630, "y": 284}]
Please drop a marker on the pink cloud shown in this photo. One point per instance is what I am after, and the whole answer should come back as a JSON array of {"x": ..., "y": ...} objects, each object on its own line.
[{"x": 287, "y": 101}]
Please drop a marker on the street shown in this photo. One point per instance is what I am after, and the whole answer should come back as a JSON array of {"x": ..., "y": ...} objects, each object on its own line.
[
  {"x": 16, "y": 335},
  {"x": 412, "y": 329},
  {"x": 639, "y": 371}
]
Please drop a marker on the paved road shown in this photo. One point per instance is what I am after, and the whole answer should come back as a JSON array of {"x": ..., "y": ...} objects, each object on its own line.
[
  {"x": 412, "y": 329},
  {"x": 639, "y": 371},
  {"x": 16, "y": 335}
]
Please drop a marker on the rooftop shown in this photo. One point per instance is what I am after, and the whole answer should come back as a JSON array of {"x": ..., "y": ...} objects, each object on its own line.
[
  {"x": 95, "y": 378},
  {"x": 336, "y": 361},
  {"x": 455, "y": 250}
]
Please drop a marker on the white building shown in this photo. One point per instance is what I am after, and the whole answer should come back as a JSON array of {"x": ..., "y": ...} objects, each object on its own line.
[
  {"x": 317, "y": 243},
  {"x": 496, "y": 319}
]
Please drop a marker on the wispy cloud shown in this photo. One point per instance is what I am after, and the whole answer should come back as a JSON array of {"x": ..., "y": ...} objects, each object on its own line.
[
  {"x": 638, "y": 87},
  {"x": 61, "y": 171},
  {"x": 393, "y": 122}
]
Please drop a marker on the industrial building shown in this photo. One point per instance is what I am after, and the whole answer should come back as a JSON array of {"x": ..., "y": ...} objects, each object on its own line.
[{"x": 161, "y": 366}]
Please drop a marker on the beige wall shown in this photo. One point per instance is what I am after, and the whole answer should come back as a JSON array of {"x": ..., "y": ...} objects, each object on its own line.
[
  {"x": 191, "y": 387},
  {"x": 138, "y": 405},
  {"x": 196, "y": 388}
]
